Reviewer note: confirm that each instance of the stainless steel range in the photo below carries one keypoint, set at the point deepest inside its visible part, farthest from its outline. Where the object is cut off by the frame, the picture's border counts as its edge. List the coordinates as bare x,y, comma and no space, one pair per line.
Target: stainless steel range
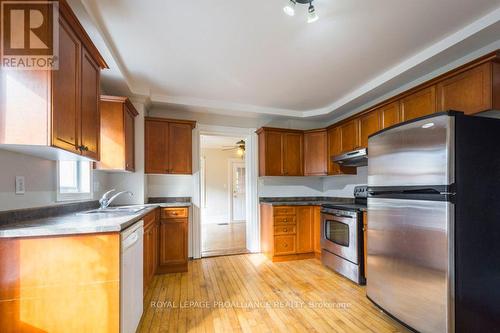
342,236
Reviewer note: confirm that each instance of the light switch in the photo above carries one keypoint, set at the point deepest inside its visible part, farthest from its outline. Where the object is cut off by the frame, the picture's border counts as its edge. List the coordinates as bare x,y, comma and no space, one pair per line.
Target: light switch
20,185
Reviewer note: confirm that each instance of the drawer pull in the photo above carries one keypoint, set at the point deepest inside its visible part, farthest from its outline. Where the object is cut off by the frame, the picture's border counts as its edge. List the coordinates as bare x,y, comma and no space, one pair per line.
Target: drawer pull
285,229
285,245
285,220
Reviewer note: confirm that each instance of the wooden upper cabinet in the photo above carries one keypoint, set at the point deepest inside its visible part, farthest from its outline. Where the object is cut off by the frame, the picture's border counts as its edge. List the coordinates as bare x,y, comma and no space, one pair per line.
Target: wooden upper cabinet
62,105
168,146
419,104
90,116
155,153
66,91
316,152
117,134
293,154
471,91
280,152
390,115
369,124
271,153
334,149
180,152
349,139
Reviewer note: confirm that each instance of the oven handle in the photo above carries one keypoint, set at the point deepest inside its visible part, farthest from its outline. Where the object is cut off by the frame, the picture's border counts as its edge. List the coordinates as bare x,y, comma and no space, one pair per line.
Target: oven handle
339,215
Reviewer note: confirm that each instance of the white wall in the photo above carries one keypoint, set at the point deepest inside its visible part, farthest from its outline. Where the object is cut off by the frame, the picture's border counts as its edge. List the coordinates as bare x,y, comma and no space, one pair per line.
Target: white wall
170,185
41,181
217,184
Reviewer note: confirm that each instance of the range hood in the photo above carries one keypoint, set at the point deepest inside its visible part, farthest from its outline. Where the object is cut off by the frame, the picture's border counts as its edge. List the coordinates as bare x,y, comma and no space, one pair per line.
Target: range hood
356,158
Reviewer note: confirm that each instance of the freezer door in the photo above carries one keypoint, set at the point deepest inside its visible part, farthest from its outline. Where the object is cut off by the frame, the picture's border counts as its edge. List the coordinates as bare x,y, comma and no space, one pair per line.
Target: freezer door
413,154
410,261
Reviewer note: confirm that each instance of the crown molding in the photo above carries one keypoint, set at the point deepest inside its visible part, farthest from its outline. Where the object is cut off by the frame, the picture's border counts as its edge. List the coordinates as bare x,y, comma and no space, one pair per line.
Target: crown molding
393,73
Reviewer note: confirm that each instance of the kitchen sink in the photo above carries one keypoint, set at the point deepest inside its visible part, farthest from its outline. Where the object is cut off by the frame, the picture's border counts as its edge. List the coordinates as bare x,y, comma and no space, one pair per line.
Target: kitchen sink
115,210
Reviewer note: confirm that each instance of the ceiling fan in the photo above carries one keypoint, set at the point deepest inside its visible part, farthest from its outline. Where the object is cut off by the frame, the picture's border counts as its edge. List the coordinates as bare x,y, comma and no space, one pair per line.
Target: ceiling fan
240,147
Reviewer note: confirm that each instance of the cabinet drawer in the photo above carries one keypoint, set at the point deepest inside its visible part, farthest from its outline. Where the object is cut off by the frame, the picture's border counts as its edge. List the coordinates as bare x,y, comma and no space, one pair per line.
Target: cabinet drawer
174,212
284,244
285,219
285,229
284,210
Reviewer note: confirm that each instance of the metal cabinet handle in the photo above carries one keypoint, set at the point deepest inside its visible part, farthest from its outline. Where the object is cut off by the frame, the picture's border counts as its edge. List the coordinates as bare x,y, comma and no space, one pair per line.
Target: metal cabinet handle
285,229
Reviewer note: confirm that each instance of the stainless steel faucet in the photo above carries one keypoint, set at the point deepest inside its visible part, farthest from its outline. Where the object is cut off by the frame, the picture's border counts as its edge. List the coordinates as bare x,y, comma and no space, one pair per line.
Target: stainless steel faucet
105,200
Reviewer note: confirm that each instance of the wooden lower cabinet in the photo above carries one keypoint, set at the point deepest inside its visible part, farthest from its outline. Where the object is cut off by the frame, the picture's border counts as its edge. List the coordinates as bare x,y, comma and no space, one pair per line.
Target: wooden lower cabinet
151,246
305,231
317,230
173,256
68,283
288,232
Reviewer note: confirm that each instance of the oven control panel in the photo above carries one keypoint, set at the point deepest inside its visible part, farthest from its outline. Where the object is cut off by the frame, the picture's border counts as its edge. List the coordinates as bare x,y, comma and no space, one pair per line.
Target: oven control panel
361,191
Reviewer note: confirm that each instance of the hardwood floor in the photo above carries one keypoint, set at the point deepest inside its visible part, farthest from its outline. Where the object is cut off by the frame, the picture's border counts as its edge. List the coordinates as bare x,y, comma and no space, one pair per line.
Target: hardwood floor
249,293
223,239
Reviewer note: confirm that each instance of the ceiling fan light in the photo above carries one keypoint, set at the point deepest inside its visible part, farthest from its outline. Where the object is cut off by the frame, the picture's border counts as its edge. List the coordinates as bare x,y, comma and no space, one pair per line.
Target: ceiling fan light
290,8
311,15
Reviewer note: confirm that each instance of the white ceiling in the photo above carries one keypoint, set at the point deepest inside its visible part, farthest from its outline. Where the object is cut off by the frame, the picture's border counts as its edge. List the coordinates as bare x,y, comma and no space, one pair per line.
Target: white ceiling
218,142
248,56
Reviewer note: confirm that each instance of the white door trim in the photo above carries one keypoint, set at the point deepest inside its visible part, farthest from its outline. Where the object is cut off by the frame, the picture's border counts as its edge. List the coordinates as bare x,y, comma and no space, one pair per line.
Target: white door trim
252,200
231,162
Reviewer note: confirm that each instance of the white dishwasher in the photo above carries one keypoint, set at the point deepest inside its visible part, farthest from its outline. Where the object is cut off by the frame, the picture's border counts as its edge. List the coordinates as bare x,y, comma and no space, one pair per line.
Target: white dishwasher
131,284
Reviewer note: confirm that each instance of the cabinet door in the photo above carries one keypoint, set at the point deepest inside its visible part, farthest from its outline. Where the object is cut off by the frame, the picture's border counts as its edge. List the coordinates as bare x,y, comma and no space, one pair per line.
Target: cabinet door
66,92
273,142
180,151
368,124
156,133
469,92
317,228
419,104
284,244
90,117
349,136
292,154
129,141
147,256
173,241
305,229
390,115
315,153
334,149
156,245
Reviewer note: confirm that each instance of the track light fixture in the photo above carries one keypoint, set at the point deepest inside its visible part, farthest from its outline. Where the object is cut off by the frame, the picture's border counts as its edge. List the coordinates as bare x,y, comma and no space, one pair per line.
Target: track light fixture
312,16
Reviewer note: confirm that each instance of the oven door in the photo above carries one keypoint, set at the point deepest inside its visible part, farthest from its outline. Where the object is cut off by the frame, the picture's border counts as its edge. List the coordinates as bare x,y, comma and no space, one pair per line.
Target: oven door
339,235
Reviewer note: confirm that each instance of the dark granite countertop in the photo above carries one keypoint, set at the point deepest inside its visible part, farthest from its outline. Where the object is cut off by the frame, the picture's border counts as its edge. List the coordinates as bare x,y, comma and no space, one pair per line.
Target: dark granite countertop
77,223
347,203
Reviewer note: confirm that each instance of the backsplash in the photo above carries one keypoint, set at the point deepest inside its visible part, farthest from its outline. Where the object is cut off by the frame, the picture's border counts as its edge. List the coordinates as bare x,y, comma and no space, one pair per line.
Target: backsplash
332,186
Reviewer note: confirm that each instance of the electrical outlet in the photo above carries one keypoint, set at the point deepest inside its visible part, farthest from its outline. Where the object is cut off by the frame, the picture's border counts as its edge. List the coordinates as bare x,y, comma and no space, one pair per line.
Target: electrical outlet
20,185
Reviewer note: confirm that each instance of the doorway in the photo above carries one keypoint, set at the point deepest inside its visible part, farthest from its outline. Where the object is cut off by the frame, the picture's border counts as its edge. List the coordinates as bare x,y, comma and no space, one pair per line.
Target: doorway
223,195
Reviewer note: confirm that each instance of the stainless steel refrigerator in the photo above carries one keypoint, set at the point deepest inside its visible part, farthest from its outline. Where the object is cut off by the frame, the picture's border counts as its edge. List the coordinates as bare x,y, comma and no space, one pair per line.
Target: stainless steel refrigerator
434,223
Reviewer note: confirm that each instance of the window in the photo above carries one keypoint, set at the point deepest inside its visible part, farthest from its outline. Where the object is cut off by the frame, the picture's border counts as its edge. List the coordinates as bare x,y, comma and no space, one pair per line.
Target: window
74,180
